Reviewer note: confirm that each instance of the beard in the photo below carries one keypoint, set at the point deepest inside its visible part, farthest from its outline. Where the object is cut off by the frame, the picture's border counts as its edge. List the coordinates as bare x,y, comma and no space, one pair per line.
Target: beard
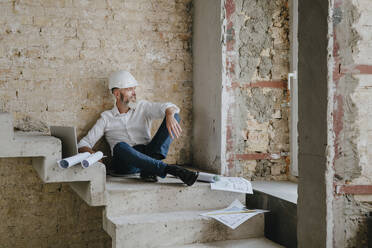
124,100
129,101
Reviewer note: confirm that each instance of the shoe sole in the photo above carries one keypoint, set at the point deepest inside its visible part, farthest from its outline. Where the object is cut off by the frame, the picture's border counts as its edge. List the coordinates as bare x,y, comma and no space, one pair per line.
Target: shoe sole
149,180
113,174
194,179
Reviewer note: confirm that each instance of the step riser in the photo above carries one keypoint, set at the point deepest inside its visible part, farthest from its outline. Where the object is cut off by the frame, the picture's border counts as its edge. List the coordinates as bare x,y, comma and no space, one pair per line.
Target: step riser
6,123
185,232
242,243
170,198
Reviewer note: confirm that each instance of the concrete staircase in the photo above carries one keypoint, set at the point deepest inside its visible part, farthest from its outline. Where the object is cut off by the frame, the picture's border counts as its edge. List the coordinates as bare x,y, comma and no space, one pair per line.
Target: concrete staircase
89,184
167,213
138,214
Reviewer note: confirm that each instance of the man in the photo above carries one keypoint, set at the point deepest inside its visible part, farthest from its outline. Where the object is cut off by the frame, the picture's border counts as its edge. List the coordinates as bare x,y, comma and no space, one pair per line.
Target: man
127,130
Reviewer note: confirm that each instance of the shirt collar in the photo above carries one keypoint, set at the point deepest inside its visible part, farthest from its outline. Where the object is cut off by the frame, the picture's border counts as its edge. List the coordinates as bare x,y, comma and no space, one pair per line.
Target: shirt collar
116,112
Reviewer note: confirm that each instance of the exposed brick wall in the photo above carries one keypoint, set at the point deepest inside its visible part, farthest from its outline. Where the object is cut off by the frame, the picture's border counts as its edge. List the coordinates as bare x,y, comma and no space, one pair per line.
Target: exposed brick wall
256,67
55,57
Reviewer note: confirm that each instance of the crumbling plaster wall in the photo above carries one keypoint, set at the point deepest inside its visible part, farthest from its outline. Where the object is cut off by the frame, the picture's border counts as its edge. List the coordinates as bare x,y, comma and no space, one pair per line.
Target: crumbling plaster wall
352,115
256,53
55,57
334,190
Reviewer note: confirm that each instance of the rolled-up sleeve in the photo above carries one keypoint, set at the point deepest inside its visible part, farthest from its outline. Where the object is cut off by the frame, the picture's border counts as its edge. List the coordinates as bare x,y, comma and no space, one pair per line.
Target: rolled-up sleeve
94,134
156,110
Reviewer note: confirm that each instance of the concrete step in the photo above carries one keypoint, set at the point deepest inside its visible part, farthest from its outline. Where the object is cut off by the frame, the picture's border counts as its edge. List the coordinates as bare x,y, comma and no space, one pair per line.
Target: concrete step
45,150
131,195
242,243
176,228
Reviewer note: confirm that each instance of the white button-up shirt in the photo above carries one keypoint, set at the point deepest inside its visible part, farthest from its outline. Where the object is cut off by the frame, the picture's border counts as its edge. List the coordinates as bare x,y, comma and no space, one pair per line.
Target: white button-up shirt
132,127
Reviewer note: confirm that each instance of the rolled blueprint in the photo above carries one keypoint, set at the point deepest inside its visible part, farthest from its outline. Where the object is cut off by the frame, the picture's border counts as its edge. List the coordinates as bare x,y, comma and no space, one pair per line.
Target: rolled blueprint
71,161
207,177
93,158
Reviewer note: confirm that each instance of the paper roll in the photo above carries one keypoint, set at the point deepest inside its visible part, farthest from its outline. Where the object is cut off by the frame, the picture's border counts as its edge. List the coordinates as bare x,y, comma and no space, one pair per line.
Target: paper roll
71,161
91,159
207,177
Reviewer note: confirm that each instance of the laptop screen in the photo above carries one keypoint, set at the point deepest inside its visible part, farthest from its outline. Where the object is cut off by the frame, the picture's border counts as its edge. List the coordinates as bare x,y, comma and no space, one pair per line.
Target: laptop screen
67,135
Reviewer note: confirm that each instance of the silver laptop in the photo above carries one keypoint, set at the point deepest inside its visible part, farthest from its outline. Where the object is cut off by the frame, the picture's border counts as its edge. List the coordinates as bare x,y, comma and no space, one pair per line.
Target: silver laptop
67,135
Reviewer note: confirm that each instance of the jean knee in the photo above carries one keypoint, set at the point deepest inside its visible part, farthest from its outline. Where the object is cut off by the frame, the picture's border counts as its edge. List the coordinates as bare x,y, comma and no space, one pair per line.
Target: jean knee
121,146
177,117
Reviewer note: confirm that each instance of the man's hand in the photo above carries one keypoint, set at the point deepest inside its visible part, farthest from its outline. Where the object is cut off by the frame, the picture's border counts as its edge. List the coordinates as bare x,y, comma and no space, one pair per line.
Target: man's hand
172,124
85,149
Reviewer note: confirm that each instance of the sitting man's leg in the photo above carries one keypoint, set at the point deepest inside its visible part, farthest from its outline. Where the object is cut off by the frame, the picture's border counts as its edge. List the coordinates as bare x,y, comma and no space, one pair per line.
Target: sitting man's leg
143,174
160,143
158,149
127,160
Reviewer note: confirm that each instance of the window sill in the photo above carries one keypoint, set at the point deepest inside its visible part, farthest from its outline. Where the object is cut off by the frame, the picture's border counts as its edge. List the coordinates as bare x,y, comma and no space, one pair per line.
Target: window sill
285,190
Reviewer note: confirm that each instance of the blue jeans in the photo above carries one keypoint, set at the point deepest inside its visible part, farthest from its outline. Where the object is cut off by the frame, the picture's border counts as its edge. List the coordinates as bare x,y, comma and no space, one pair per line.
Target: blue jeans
144,158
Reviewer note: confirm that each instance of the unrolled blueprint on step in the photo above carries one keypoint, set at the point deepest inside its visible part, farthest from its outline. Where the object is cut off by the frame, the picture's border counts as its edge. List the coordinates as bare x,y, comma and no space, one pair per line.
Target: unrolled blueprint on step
234,215
233,184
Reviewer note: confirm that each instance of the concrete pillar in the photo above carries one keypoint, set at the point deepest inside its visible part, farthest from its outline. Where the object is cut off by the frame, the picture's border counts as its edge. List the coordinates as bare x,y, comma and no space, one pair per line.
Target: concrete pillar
312,125
207,80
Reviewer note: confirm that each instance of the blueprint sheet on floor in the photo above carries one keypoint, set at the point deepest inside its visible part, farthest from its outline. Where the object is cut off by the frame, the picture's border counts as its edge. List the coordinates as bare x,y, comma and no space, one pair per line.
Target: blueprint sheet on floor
233,184
234,215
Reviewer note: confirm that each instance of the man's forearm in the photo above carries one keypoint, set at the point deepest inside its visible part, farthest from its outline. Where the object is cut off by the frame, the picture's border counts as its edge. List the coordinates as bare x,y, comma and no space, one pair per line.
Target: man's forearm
172,124
85,149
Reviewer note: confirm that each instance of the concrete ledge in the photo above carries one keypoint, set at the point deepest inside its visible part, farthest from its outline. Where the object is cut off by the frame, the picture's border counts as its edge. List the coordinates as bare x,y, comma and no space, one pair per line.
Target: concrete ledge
284,190
281,199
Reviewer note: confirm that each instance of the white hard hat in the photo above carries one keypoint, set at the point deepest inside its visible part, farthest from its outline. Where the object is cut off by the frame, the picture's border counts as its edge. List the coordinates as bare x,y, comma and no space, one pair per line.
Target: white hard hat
122,79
